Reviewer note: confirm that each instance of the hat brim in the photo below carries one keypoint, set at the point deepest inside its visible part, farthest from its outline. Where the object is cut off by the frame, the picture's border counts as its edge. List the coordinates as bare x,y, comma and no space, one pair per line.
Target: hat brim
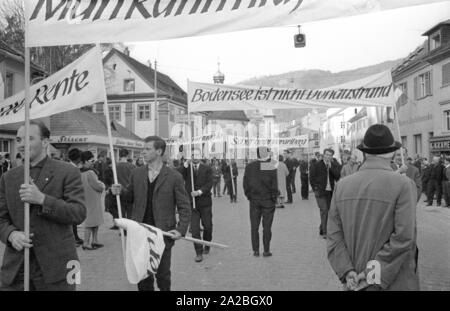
379,150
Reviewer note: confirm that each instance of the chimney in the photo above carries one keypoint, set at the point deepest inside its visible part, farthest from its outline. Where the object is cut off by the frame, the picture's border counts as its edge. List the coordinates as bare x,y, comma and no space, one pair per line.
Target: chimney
126,51
149,63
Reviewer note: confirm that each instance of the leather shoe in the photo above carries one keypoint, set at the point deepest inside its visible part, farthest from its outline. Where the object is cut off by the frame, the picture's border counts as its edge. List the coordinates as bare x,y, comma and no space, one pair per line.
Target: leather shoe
256,254
267,254
199,258
206,250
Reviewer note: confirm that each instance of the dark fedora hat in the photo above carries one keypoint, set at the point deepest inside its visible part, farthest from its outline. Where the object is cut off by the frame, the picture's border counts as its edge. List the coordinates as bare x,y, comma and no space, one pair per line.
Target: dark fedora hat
379,140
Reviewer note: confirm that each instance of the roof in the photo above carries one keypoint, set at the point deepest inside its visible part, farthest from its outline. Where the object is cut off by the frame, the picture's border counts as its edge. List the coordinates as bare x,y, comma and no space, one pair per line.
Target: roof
431,30
165,84
361,114
413,58
232,115
81,122
12,53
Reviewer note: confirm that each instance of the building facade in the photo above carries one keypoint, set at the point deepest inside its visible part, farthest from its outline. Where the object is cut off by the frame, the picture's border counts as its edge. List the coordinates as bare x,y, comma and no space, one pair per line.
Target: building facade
424,108
130,87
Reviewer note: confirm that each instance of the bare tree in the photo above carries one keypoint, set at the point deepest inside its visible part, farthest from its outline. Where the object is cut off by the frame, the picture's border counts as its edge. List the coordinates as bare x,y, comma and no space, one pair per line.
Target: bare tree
12,33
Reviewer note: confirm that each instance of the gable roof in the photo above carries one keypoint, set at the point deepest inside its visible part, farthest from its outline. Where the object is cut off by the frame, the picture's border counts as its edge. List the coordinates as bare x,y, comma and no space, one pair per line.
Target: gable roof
81,122
431,30
165,84
232,115
413,58
9,52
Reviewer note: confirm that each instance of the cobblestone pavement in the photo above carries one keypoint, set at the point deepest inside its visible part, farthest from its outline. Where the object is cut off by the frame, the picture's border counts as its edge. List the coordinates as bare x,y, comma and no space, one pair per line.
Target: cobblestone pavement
299,258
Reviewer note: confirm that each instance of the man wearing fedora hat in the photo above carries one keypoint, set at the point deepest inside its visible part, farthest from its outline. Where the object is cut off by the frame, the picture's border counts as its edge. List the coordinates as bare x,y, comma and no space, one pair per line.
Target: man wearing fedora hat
372,221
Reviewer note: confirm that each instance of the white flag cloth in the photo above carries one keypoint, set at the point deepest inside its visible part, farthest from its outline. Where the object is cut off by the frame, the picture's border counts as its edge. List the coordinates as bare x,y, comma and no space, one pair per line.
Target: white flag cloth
74,86
144,249
375,90
62,22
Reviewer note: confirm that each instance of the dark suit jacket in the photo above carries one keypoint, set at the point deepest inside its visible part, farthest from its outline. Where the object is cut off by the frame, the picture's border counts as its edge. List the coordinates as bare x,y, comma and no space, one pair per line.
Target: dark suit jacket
261,184
169,193
203,181
318,176
51,223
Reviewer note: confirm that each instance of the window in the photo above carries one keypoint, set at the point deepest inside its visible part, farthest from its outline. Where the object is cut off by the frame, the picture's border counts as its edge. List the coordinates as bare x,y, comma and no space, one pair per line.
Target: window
128,85
422,85
447,120
418,143
404,141
446,74
435,41
4,146
9,84
144,113
171,114
114,113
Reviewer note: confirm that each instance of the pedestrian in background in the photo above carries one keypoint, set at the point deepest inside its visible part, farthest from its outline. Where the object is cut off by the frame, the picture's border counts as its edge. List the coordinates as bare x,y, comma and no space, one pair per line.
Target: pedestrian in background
124,168
349,167
446,181
282,174
93,189
261,189
74,156
304,178
217,174
324,175
435,182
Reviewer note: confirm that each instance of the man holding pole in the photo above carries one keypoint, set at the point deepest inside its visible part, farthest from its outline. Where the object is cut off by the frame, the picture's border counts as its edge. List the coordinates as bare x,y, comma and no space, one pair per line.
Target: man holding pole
156,191
201,193
56,199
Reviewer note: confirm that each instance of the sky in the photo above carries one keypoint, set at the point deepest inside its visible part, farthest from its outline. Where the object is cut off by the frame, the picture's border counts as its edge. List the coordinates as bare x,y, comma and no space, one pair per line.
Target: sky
334,45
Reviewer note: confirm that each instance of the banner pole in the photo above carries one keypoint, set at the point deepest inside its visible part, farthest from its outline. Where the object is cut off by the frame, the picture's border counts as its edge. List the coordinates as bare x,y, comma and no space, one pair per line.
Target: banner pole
190,154
26,262
111,145
156,99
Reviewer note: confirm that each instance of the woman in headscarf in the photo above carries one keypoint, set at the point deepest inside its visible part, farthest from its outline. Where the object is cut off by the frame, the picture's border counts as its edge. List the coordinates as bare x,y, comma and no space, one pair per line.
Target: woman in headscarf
93,189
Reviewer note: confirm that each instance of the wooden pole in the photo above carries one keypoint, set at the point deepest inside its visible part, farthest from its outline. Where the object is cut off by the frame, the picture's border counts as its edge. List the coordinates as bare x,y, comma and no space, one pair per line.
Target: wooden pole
111,145
190,157
156,98
26,262
206,243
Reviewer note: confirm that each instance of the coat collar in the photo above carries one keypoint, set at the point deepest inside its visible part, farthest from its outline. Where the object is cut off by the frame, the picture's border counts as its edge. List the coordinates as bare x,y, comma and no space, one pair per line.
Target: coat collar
376,163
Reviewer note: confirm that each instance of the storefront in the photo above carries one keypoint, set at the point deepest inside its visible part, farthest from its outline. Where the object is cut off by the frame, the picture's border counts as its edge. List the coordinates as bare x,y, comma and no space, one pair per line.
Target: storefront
440,145
87,131
96,144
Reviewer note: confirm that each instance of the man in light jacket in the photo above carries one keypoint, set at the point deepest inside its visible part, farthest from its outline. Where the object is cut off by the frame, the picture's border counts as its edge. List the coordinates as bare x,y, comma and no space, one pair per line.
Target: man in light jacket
372,221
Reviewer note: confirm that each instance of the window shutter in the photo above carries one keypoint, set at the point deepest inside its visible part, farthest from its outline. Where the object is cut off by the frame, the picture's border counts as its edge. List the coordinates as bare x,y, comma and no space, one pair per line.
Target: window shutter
446,74
416,88
428,84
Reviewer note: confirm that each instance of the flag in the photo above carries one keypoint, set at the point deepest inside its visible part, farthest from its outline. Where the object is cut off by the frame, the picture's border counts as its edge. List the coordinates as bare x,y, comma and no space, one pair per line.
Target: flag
144,249
74,86
63,22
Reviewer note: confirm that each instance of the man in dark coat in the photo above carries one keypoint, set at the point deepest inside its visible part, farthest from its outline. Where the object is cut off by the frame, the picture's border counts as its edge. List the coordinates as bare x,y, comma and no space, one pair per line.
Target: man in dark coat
203,181
435,181
56,199
156,192
261,189
324,175
304,177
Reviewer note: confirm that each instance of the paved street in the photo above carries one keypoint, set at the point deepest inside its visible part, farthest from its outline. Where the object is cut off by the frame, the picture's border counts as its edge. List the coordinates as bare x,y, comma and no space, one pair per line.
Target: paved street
299,257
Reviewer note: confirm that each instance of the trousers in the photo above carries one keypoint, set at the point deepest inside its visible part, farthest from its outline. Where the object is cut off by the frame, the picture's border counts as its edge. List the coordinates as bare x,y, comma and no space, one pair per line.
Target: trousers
265,210
324,202
201,214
